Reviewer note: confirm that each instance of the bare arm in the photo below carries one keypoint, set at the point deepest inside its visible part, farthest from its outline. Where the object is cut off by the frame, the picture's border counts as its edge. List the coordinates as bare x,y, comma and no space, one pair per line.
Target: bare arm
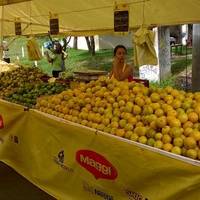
128,72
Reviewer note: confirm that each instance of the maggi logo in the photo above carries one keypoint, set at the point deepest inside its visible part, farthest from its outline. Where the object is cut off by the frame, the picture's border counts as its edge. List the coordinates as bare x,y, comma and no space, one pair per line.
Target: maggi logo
96,164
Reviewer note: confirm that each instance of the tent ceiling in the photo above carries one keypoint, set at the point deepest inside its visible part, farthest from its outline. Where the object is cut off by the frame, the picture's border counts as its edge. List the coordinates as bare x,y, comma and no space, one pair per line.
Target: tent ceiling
80,17
7,2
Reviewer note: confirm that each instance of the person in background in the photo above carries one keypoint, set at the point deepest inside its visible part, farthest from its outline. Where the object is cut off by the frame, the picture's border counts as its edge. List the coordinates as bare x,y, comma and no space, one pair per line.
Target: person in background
120,69
56,57
6,57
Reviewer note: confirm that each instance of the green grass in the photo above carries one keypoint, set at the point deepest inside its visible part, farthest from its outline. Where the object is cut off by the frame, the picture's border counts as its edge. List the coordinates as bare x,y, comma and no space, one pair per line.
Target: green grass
179,65
181,50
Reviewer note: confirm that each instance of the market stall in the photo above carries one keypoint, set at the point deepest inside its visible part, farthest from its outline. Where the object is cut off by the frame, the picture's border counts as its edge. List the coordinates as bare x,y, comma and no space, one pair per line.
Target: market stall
72,161
75,143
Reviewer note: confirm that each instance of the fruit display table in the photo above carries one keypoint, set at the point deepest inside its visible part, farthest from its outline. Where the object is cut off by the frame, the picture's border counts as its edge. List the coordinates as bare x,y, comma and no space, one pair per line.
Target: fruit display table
70,161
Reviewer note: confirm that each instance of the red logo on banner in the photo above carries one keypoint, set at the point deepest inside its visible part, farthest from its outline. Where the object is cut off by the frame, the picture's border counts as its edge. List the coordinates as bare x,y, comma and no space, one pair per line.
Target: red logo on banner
96,164
1,122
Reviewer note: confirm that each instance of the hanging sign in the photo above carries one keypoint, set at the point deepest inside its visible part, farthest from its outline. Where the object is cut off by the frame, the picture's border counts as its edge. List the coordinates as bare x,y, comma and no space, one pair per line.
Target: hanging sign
121,18
54,24
18,27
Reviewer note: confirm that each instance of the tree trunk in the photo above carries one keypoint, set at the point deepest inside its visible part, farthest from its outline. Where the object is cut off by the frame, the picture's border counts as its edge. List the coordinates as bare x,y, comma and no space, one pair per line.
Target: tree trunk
75,43
91,44
164,52
88,43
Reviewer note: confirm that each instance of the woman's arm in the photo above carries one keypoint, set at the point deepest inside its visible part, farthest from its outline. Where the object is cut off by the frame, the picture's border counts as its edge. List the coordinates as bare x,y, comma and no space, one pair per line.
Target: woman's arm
128,72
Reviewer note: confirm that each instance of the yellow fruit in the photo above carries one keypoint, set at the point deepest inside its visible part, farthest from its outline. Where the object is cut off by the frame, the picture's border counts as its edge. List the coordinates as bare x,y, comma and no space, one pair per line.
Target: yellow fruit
183,117
196,126
142,139
121,103
150,133
65,110
110,99
114,124
115,92
175,93
136,90
153,125
197,109
134,137
158,144
147,100
136,110
115,119
178,141
151,142
120,132
180,111
190,143
172,113
155,106
115,105
125,95
167,147
176,103
187,131
161,122
198,154
175,132
147,110
193,117
106,121
139,101
155,97
175,123
132,120
84,122
101,127
186,105
128,127
195,134
128,134
122,123
166,139
141,130
192,153
188,124
168,99
158,136
165,130
168,89
113,131
176,150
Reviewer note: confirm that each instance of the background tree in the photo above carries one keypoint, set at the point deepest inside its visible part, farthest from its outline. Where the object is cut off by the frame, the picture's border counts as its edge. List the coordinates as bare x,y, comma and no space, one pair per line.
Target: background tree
91,44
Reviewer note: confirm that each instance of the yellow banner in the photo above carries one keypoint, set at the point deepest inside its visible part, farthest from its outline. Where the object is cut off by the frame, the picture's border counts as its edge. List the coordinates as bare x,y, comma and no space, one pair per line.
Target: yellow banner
70,161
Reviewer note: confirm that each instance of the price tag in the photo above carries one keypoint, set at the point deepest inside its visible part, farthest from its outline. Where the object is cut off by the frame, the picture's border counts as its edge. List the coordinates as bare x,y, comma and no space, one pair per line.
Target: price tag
54,26
18,28
121,18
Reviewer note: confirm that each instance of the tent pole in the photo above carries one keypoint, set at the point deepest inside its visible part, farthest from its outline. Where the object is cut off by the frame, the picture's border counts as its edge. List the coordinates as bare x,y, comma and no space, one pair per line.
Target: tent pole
196,58
1,36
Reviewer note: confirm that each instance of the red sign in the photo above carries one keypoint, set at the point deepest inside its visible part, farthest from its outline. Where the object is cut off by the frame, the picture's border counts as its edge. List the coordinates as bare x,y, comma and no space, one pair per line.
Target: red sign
1,122
96,164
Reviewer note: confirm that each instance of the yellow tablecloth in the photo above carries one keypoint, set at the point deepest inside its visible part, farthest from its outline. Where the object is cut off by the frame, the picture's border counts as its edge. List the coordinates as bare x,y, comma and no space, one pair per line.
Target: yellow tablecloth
69,161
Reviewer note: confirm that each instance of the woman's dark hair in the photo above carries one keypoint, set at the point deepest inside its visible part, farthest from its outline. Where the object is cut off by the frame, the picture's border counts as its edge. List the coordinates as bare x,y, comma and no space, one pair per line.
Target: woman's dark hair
119,47
58,49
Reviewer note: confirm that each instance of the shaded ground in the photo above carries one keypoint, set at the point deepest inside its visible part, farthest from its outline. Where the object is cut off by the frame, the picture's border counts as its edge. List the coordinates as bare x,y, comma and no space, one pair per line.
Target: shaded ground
15,187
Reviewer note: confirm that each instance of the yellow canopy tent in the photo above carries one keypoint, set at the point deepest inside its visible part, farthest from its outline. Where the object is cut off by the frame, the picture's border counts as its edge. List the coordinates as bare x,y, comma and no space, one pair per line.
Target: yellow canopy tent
90,17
